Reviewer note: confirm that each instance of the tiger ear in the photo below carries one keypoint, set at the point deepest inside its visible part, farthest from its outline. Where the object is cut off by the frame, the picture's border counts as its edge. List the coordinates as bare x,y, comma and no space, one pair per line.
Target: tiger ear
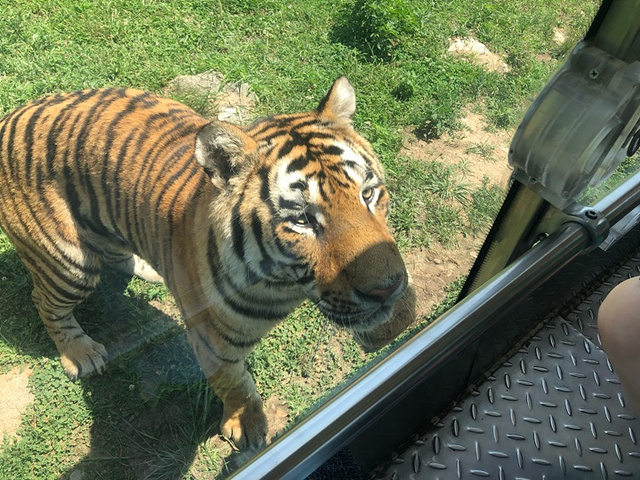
223,150
340,101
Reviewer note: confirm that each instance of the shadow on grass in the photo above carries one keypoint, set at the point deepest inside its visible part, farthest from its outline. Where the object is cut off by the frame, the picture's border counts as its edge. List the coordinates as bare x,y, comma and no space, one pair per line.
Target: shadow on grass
152,410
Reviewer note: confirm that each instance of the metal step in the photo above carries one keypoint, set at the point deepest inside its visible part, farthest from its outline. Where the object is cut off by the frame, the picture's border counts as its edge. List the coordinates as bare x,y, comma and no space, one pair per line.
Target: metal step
555,409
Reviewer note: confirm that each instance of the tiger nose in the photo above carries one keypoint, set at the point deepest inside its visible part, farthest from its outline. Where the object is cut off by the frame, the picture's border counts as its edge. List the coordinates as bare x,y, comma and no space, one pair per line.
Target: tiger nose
382,293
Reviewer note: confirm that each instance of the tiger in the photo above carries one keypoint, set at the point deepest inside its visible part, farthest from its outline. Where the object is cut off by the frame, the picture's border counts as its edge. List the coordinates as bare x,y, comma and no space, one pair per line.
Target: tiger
242,224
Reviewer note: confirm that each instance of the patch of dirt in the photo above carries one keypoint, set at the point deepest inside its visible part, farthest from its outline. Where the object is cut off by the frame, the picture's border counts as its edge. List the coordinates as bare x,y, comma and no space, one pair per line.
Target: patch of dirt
477,149
478,53
15,397
559,36
277,414
433,269
233,101
479,153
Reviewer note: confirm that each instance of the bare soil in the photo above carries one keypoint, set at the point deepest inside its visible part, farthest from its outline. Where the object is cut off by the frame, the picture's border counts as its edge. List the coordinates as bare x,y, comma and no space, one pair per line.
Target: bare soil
478,53
15,397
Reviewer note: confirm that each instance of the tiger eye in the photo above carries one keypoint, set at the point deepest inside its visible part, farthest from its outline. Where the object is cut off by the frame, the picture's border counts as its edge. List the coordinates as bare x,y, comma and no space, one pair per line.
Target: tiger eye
302,220
367,194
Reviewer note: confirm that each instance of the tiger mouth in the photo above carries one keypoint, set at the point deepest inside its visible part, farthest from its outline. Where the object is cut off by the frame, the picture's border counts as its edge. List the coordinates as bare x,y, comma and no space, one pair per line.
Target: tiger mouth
362,320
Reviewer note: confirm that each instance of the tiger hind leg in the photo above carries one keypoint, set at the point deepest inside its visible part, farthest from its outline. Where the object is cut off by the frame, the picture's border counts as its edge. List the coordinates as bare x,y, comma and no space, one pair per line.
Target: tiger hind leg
133,265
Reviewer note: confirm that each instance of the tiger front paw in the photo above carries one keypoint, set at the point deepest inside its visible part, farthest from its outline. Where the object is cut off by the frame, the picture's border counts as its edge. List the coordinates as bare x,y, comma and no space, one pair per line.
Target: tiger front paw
246,425
83,357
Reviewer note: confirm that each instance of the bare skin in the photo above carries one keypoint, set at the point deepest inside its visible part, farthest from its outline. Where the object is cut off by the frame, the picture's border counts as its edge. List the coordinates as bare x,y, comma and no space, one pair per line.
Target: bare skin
619,327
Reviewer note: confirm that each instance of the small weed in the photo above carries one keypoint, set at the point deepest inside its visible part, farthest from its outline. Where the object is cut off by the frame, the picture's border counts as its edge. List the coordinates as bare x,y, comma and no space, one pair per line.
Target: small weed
482,149
404,91
486,202
438,119
446,181
147,290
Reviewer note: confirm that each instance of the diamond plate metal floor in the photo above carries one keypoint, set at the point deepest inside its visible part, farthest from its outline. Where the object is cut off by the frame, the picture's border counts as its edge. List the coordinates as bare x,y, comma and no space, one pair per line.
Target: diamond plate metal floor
555,409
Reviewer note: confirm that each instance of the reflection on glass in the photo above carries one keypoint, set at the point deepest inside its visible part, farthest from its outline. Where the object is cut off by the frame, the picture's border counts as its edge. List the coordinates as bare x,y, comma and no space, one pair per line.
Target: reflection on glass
628,167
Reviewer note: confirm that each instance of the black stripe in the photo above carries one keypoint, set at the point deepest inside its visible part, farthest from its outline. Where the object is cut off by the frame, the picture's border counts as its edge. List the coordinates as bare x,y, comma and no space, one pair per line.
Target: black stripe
257,312
322,136
59,123
282,248
321,187
82,166
282,123
265,195
271,137
111,136
179,128
23,204
212,254
306,279
221,279
212,350
194,171
53,285
114,208
298,164
267,264
138,195
295,140
285,204
367,159
237,230
261,125
307,123
3,128
353,165
11,141
333,150
28,136
28,139
45,234
233,341
334,179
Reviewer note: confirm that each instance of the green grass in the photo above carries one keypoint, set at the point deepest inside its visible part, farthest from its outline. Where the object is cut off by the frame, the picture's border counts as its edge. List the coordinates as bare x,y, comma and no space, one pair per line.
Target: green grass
151,413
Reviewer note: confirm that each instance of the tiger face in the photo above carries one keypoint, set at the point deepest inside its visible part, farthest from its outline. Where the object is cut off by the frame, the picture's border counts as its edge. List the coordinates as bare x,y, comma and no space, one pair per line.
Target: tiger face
332,212
321,211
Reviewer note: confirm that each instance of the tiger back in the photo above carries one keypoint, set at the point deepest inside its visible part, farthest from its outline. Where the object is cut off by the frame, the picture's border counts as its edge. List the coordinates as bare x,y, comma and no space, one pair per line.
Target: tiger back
241,223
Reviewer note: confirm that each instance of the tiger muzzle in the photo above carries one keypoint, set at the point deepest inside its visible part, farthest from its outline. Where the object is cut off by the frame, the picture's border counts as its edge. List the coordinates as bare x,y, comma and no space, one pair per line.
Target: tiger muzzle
386,292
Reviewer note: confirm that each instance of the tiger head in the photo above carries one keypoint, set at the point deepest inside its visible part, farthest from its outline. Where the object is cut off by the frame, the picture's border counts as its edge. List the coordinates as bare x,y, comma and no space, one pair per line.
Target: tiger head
308,194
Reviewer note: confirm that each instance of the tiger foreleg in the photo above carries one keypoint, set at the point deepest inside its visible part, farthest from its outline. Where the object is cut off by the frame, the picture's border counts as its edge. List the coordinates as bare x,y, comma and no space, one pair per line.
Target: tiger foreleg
80,355
243,419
